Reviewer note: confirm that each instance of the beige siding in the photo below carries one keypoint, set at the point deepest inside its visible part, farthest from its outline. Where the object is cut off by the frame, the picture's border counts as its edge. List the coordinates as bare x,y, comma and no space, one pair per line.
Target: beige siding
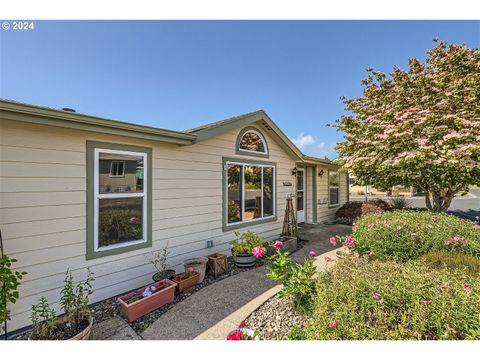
43,204
324,211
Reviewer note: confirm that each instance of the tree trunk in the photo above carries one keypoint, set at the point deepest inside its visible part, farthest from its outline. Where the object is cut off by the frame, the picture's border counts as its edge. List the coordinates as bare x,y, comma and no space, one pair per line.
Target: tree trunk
437,202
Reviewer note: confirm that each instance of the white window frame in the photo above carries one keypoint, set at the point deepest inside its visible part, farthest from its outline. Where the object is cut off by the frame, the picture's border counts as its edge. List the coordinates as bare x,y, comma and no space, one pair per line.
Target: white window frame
338,188
274,181
123,168
98,196
253,151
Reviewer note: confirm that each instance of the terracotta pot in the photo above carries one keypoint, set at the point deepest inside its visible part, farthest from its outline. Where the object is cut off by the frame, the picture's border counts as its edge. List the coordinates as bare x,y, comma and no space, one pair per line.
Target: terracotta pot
146,305
169,274
244,260
186,285
198,264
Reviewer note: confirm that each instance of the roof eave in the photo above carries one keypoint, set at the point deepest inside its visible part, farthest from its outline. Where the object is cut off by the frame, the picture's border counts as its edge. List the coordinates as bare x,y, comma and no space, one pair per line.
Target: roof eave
43,116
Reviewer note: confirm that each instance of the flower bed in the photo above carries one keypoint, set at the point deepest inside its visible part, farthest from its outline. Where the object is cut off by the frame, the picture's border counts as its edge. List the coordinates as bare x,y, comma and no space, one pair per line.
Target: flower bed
405,235
364,299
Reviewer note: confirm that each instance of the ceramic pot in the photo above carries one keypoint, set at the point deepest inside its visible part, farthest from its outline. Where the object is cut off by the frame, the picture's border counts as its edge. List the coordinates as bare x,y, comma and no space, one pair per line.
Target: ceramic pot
169,274
244,260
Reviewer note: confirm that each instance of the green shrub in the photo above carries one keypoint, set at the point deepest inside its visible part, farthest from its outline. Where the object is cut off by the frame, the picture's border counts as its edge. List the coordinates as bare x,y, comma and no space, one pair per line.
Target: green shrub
406,234
297,279
9,282
361,299
449,260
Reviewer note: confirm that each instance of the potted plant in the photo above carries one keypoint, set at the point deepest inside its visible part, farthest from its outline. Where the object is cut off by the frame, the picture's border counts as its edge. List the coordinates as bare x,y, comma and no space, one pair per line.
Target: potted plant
186,282
159,260
198,264
243,247
76,323
147,299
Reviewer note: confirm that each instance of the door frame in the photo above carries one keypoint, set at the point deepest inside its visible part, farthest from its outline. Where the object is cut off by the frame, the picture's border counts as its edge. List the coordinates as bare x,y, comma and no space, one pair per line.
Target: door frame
303,170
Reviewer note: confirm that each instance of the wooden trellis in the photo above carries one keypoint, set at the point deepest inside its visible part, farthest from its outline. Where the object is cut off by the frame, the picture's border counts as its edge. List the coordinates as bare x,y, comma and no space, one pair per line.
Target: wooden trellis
290,227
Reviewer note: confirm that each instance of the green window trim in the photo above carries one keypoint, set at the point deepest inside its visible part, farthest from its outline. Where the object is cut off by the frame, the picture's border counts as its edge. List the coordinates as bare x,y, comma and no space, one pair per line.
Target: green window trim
337,204
239,151
90,153
235,226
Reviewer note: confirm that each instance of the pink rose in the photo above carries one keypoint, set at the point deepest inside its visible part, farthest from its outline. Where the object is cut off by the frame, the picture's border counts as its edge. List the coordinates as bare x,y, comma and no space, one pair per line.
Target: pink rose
333,241
350,242
278,244
258,252
333,324
312,253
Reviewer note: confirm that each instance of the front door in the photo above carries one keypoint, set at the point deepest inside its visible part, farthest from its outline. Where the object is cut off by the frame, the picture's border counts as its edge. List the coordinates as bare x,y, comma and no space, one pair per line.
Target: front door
300,196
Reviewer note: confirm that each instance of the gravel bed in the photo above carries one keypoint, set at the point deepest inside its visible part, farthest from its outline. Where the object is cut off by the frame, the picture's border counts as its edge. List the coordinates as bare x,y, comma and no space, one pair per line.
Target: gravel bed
274,319
109,308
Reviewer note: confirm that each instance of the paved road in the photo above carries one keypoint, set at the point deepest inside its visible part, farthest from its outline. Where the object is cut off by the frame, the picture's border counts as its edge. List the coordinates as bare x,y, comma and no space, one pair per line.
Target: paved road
465,207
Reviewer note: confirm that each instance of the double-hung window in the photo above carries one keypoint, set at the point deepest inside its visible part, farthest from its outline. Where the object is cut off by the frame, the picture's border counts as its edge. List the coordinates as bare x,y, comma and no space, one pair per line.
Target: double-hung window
249,192
119,198
333,186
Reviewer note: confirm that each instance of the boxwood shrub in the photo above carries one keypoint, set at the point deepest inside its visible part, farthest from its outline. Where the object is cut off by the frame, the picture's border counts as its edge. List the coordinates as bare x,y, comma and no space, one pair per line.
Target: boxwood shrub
361,299
404,235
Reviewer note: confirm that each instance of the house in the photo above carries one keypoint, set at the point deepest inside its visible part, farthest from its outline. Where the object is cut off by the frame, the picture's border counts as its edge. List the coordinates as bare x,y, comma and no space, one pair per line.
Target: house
80,191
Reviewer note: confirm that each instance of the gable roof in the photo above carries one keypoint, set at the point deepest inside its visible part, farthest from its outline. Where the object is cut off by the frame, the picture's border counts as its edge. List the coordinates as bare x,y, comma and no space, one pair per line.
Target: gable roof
216,128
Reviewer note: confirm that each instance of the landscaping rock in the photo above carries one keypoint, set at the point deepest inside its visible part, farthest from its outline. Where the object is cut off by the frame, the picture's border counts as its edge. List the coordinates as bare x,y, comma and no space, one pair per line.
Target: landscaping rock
274,319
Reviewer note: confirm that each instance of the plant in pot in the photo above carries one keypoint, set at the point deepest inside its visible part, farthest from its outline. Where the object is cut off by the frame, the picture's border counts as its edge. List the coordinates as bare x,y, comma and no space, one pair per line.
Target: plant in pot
186,282
147,299
243,247
199,265
159,260
76,323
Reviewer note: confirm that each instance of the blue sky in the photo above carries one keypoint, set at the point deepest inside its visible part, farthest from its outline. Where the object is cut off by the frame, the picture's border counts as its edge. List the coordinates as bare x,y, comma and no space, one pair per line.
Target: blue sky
180,74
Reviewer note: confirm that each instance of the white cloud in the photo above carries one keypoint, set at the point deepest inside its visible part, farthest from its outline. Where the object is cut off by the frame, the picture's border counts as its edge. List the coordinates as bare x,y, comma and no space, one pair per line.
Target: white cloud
303,140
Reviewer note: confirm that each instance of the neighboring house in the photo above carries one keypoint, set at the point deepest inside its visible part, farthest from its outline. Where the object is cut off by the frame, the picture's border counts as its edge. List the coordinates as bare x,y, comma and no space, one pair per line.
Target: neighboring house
79,191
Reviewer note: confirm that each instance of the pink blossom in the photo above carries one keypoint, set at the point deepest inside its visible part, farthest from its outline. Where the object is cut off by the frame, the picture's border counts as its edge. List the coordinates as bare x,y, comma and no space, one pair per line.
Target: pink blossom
333,324
242,324
377,295
134,220
350,242
399,228
452,330
467,287
312,253
258,252
190,269
455,240
428,302
443,286
333,241
278,244
414,234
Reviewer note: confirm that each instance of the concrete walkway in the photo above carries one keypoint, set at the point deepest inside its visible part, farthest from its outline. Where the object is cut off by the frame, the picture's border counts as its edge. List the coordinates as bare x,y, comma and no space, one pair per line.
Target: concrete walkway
206,314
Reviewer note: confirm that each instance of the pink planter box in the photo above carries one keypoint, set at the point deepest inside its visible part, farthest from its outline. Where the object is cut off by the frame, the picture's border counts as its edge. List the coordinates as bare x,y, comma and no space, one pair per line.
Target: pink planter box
146,305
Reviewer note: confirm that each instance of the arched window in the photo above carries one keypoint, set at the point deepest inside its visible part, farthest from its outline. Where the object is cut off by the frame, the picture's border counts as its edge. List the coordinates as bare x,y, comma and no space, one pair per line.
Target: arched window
252,141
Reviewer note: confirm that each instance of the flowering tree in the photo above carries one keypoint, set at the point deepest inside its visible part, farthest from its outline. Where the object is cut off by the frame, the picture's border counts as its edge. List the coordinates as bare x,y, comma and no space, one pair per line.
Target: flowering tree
419,127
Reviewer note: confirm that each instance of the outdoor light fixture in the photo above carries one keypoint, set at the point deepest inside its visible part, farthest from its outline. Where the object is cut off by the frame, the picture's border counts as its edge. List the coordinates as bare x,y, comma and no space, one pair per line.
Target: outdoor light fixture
294,171
320,173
